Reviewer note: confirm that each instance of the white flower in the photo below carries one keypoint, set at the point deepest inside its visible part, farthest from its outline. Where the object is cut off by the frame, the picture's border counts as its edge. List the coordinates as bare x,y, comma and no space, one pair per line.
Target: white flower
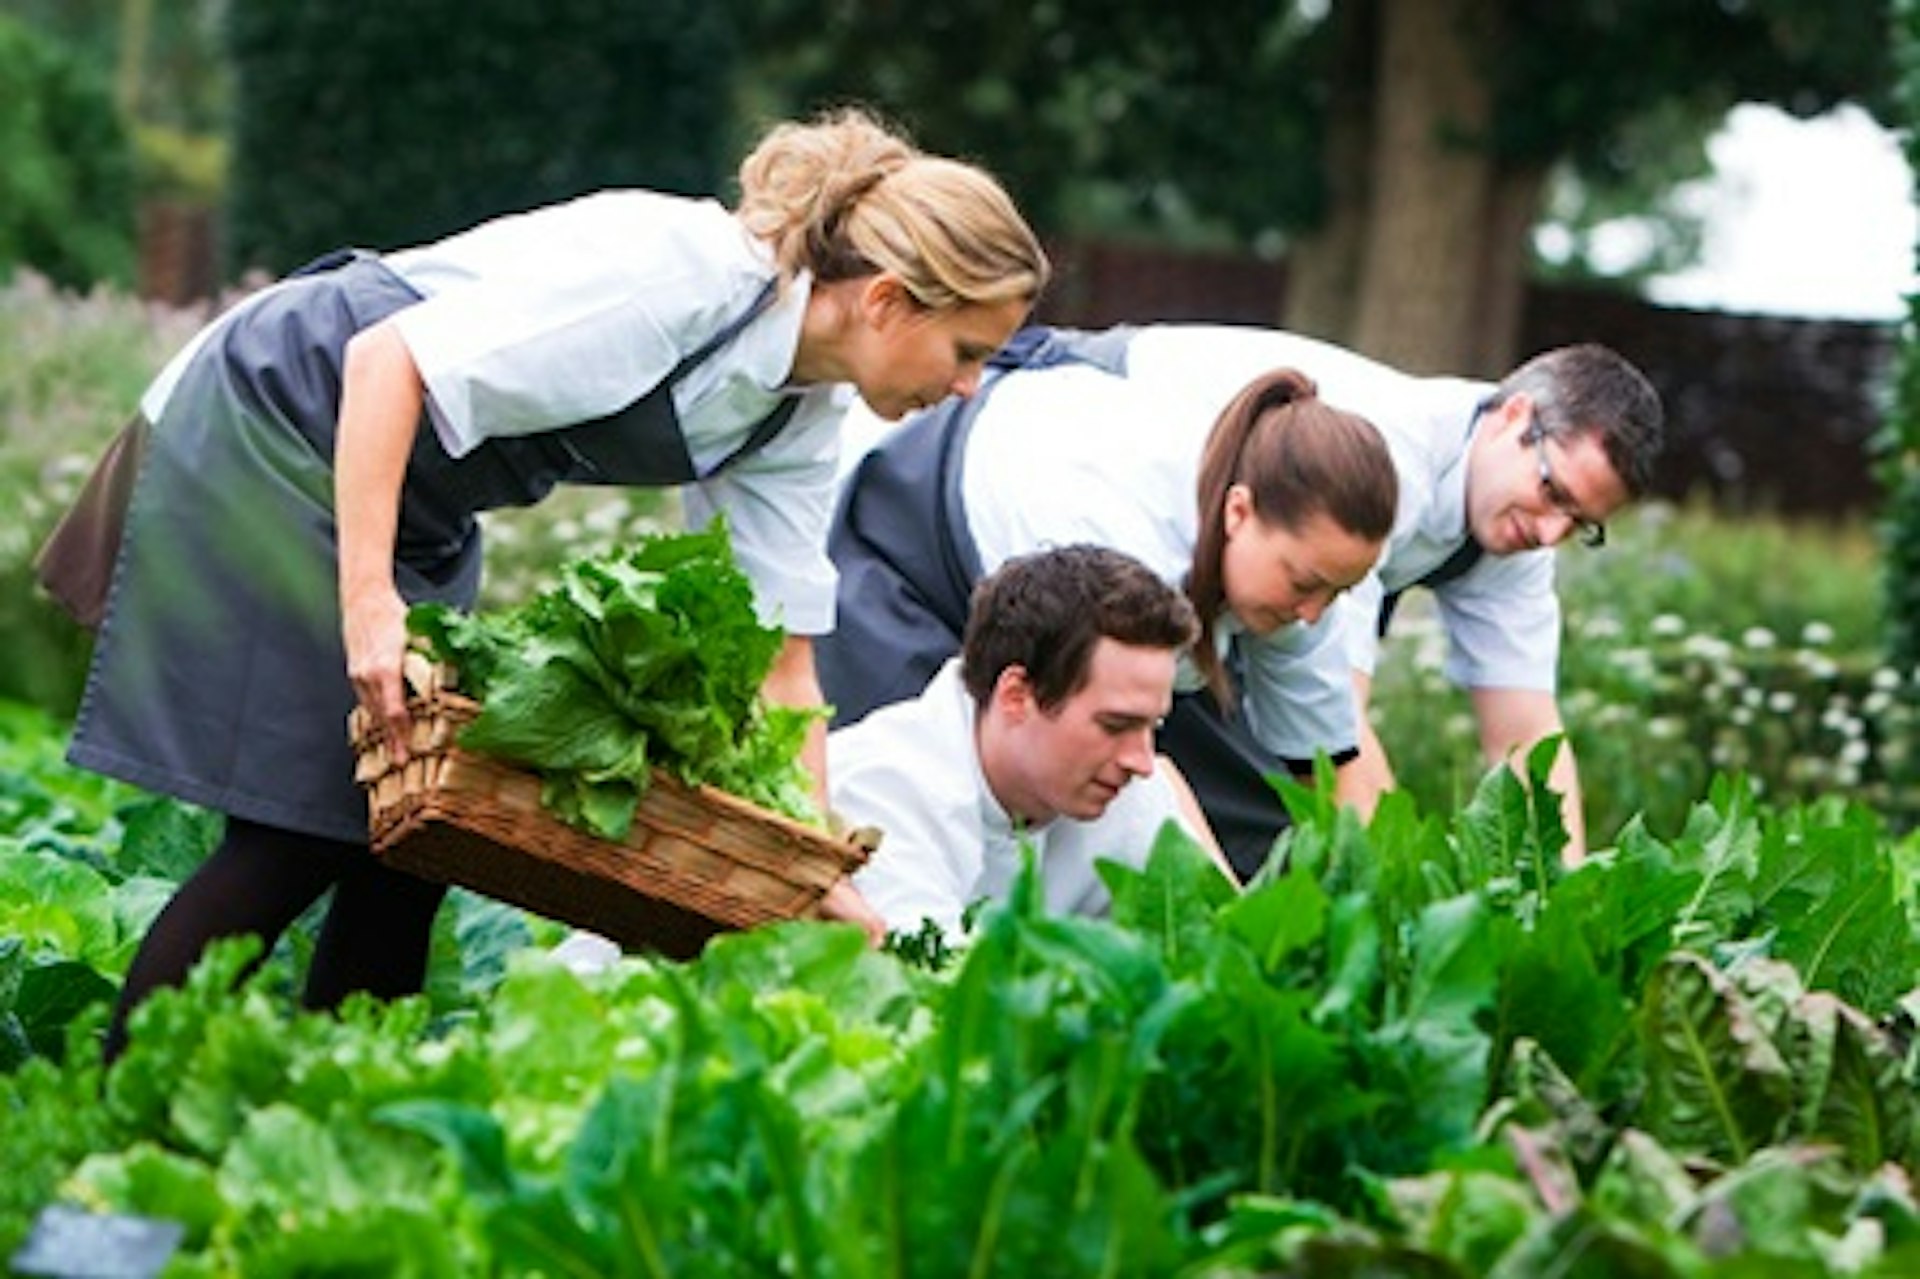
1757,637
1818,665
1710,647
1668,625
1816,634
1886,679
607,517
1780,702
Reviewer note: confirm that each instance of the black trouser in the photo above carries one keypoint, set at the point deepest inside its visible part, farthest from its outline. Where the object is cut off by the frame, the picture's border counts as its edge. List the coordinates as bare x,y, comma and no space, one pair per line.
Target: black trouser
260,879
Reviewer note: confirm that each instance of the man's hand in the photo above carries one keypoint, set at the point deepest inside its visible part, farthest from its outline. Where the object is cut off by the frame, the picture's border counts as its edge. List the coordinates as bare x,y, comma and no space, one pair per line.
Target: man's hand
844,903
1361,781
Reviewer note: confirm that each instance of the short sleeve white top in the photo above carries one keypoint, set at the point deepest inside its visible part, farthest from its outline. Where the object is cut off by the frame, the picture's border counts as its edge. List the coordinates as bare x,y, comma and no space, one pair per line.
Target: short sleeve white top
545,319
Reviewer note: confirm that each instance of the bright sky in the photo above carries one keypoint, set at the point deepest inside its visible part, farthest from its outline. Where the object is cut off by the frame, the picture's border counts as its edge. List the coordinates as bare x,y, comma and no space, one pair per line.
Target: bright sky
1804,217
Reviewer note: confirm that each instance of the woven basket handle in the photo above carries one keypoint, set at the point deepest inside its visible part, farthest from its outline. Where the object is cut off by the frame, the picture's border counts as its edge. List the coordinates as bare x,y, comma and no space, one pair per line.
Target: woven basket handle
423,676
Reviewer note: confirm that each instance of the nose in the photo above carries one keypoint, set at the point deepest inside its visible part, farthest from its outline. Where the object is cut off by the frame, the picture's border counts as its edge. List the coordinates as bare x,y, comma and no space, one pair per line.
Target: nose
1310,608
967,380
1136,757
1554,527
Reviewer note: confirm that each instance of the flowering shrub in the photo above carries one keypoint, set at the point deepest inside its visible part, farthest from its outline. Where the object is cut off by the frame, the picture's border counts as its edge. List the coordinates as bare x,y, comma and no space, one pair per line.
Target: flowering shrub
1692,646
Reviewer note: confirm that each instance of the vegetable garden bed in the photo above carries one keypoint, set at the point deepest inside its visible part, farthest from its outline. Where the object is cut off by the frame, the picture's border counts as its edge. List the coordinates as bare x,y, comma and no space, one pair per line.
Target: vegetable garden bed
1425,1050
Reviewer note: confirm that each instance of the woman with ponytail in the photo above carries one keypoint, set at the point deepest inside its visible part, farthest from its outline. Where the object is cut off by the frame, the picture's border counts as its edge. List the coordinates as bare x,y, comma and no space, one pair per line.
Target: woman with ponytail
1263,511
316,459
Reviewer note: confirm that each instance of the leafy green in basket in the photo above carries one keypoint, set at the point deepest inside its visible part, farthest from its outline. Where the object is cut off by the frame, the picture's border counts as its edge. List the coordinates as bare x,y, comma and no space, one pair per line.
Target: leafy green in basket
648,657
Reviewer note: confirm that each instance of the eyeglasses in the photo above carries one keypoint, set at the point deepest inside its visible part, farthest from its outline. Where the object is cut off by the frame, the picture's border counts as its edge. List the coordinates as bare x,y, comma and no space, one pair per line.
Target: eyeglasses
1591,532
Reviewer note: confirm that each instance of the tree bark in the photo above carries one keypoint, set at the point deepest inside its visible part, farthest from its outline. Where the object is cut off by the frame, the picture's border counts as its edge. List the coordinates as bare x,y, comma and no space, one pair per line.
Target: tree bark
1323,268
1506,261
1420,306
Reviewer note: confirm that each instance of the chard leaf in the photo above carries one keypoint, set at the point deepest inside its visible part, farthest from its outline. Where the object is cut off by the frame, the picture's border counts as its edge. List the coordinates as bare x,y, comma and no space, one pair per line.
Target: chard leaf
1715,1081
1431,1054
1829,889
1627,902
1353,961
1540,1091
1512,828
1852,1084
1292,1075
1468,1215
1721,842
1495,829
1584,1243
1279,918
1643,1180
1172,900
1554,990
1772,1206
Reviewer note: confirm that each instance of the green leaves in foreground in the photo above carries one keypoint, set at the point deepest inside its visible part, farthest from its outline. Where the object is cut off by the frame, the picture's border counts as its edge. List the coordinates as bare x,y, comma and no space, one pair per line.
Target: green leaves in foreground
1424,1050
646,658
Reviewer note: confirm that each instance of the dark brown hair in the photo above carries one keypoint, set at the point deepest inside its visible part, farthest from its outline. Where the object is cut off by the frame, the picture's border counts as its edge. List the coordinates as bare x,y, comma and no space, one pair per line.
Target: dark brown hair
1590,389
1046,612
1298,457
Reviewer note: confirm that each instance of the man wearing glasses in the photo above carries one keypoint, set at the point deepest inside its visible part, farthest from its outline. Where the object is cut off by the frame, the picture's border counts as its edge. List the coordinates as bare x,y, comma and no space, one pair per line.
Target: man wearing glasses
1492,477
1545,457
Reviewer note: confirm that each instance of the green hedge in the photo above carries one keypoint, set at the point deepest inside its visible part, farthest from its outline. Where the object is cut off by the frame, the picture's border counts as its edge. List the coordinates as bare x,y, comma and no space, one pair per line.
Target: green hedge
384,125
66,179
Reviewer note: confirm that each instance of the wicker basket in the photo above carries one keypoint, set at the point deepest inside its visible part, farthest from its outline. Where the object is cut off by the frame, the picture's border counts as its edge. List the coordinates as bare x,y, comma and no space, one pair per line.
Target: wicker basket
697,861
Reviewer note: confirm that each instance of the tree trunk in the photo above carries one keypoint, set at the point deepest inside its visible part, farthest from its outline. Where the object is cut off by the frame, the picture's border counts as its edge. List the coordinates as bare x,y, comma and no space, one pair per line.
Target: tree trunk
1507,257
1420,306
1323,268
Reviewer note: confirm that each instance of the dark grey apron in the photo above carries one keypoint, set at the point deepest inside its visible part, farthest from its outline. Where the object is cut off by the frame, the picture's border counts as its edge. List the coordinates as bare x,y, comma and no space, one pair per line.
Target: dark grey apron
218,674
900,541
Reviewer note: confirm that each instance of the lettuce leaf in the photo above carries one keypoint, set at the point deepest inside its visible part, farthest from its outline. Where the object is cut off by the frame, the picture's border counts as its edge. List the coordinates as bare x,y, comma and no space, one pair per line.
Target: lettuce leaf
647,657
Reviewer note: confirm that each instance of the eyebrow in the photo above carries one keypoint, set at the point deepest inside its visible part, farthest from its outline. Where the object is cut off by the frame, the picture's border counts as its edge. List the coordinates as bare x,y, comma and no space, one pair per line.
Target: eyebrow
1563,498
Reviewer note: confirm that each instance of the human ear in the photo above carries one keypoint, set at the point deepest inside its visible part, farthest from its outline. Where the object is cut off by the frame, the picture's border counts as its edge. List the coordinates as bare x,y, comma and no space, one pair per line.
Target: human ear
1013,693
1238,509
883,299
1516,412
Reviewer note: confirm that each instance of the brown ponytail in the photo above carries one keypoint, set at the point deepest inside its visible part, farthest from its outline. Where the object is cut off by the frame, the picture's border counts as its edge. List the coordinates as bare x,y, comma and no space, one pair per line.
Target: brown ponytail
1298,457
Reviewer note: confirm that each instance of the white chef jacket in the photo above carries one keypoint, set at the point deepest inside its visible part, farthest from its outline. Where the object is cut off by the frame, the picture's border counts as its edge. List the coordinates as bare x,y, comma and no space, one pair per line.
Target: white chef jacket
563,314
913,770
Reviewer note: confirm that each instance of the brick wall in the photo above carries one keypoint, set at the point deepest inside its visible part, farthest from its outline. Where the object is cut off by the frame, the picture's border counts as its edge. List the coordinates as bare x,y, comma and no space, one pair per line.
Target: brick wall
1763,413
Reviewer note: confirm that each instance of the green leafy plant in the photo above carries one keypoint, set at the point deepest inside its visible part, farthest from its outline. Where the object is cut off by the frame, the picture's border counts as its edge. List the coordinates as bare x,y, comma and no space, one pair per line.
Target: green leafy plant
650,657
